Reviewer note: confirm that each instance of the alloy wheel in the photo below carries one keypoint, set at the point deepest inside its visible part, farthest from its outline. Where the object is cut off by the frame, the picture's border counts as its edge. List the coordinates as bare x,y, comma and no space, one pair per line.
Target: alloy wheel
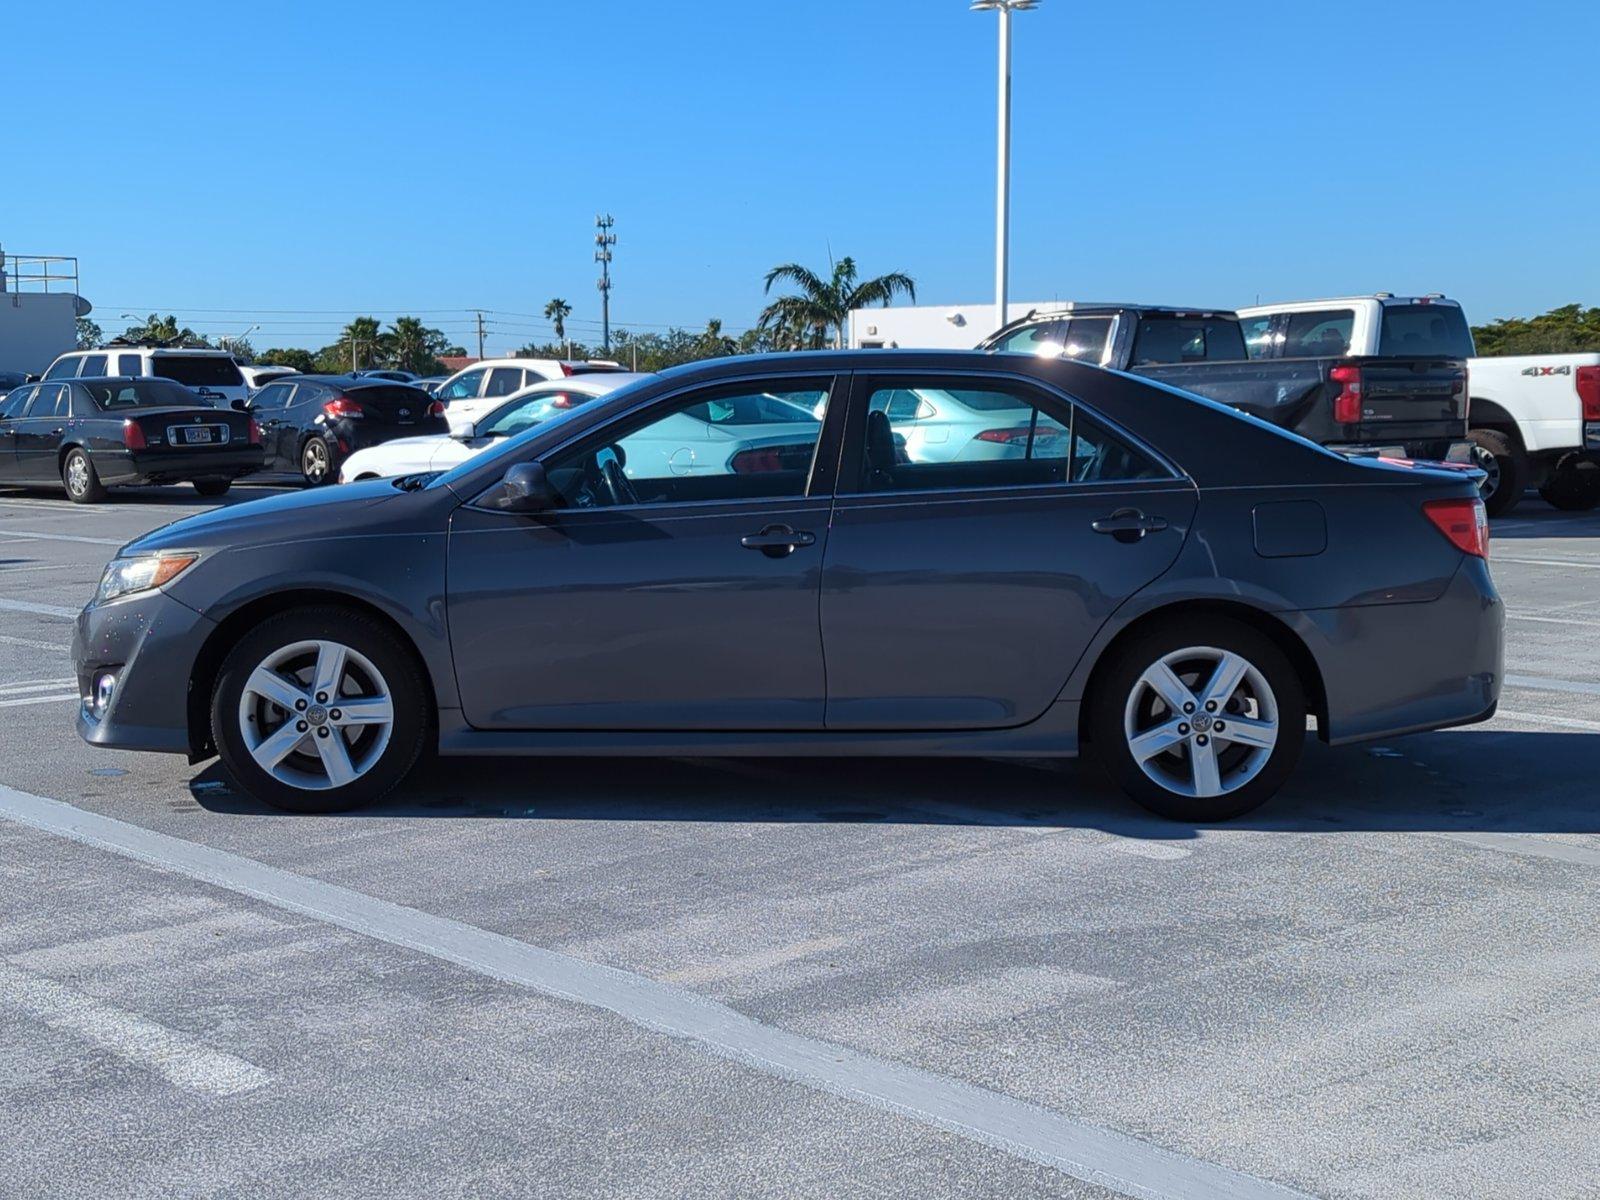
77,474
1490,466
1201,722
314,463
316,715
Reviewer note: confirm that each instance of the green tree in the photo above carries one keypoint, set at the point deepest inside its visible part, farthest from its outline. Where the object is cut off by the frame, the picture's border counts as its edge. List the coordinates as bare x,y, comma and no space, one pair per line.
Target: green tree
157,328
558,311
821,309
412,346
361,345
301,360
1571,329
90,335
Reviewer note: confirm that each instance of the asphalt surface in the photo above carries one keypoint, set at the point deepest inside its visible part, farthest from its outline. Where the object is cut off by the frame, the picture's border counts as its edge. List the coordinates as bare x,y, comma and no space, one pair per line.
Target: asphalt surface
691,977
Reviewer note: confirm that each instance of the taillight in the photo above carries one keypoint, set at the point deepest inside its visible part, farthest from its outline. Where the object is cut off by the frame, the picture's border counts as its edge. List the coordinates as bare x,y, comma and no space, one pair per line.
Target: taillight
132,435
566,369
1005,437
1589,392
343,406
1464,522
436,409
756,462
1347,404
255,432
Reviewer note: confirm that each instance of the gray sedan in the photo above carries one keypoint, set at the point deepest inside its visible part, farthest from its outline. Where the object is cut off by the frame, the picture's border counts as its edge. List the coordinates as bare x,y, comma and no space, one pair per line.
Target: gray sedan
1172,585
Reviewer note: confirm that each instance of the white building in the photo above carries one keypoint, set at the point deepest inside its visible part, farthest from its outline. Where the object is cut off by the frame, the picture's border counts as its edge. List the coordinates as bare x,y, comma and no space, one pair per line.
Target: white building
39,311
933,326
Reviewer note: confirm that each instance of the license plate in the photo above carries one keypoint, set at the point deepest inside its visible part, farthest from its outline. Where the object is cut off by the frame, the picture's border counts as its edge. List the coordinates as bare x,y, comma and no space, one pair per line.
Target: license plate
195,437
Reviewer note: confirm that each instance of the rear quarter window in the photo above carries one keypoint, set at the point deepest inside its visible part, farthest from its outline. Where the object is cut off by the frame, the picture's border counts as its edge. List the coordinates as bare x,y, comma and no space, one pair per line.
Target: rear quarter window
197,370
1424,330
1187,339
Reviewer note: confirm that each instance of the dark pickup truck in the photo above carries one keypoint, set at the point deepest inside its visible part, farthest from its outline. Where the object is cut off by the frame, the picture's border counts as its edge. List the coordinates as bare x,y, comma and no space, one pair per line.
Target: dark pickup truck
1396,407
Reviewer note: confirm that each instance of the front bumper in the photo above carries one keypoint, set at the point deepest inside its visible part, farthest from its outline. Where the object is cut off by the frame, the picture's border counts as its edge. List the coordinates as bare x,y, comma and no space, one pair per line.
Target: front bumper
150,643
1390,669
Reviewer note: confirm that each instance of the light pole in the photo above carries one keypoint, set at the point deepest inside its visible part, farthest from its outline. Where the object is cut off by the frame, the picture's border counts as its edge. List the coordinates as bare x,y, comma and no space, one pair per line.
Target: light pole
1002,202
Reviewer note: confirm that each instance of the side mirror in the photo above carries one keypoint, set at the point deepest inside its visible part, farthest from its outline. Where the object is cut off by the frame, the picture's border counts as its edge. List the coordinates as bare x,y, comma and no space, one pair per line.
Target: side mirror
243,406
523,489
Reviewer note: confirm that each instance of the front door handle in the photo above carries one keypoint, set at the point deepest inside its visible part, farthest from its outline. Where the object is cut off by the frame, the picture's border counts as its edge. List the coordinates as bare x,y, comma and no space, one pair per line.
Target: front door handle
1128,525
777,541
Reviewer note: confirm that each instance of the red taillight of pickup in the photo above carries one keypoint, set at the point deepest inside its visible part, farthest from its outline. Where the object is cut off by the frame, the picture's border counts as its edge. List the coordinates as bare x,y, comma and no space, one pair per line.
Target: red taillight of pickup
1464,522
132,435
343,406
1588,384
255,432
1347,404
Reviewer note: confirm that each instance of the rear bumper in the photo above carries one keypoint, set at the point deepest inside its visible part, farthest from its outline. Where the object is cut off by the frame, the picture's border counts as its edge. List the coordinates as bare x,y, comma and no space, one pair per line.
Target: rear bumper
1390,669
149,643
169,466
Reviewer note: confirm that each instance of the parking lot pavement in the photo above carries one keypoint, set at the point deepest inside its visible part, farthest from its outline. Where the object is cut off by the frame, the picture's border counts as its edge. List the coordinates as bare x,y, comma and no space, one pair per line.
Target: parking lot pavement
589,977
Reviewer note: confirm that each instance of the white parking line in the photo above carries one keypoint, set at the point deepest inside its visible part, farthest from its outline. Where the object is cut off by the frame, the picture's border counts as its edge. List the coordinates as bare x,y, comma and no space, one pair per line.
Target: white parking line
1549,562
1529,718
34,644
17,687
1544,683
39,700
1511,616
43,610
1111,1160
29,535
178,1058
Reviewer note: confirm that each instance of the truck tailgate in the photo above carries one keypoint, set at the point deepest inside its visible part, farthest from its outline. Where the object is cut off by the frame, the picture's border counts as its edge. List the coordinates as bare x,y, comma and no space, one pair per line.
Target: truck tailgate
1409,399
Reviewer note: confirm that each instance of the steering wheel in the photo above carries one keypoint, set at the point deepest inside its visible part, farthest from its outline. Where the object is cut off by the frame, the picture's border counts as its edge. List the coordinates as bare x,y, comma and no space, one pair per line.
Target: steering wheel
616,483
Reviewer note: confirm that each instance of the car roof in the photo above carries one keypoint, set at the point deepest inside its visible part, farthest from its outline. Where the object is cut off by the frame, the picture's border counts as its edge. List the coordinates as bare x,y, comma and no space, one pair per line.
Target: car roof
1374,298
593,383
347,381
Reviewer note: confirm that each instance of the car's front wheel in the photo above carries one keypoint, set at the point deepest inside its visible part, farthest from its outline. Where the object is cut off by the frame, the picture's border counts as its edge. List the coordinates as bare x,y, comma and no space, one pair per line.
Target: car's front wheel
1200,719
319,710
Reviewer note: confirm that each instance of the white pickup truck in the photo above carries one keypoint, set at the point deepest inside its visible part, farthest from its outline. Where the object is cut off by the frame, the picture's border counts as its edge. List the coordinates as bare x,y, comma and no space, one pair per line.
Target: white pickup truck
1535,419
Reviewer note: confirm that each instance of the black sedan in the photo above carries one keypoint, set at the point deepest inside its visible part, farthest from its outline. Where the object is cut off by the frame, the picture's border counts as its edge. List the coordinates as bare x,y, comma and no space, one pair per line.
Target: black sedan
90,434
312,423
1106,562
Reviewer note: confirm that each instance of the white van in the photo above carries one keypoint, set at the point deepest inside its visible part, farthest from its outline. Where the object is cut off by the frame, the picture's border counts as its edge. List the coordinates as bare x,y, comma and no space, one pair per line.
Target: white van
211,373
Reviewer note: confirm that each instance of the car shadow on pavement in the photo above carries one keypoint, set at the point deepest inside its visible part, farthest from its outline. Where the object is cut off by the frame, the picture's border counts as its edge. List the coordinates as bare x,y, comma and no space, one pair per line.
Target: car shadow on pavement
1457,781
1533,520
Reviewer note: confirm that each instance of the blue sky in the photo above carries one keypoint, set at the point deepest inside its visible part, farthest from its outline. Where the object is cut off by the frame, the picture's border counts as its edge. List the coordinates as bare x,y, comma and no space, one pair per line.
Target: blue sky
355,156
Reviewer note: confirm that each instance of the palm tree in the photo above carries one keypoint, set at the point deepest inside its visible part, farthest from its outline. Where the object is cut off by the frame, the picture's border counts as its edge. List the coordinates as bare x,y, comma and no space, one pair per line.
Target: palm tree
362,341
413,346
558,311
822,309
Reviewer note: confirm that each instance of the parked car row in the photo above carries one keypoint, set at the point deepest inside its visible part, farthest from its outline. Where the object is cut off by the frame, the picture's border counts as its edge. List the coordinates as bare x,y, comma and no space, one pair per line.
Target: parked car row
1378,375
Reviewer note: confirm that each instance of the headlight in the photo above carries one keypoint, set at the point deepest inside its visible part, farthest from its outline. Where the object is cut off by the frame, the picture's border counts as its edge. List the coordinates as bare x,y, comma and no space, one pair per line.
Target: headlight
125,576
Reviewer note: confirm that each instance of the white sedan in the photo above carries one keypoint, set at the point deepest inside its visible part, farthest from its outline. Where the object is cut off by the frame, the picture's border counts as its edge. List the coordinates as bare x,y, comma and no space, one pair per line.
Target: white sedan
519,411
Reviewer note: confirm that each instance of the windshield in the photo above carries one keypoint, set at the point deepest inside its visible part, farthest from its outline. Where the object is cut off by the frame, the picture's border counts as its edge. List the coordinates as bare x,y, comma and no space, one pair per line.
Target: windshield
506,451
143,393
1424,330
197,370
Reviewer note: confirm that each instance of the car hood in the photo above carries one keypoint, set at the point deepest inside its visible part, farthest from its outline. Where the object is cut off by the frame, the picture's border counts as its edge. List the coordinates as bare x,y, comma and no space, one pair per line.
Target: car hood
330,511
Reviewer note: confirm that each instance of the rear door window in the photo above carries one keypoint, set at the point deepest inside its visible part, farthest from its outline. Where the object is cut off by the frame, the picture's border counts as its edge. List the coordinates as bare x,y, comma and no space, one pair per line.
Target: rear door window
503,381
1321,334
1424,331
1164,339
197,370
48,402
274,396
93,364
1257,335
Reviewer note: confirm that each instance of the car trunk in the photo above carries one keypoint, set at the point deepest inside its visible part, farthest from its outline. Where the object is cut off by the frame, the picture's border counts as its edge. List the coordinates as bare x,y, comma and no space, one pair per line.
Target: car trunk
392,404
189,429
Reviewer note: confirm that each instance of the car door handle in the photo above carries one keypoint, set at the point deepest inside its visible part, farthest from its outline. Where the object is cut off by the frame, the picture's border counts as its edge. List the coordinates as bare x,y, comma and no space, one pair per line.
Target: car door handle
776,541
1128,525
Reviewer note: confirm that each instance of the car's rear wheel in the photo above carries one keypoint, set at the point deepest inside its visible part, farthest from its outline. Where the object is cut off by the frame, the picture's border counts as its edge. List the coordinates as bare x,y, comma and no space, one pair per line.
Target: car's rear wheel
80,478
213,487
1505,470
316,462
1200,719
319,710
1574,486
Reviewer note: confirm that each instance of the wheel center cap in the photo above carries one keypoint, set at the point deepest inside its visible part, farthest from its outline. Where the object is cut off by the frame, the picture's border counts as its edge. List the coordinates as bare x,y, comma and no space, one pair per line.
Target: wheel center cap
1201,722
317,715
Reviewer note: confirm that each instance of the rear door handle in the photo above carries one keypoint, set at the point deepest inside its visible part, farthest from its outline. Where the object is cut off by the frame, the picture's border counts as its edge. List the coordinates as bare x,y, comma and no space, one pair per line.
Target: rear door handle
777,541
1128,525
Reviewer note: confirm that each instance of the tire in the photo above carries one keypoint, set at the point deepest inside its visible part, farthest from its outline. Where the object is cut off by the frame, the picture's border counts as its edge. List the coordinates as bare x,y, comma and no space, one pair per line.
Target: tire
256,735
1125,705
80,478
1507,468
213,487
1574,486
316,462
